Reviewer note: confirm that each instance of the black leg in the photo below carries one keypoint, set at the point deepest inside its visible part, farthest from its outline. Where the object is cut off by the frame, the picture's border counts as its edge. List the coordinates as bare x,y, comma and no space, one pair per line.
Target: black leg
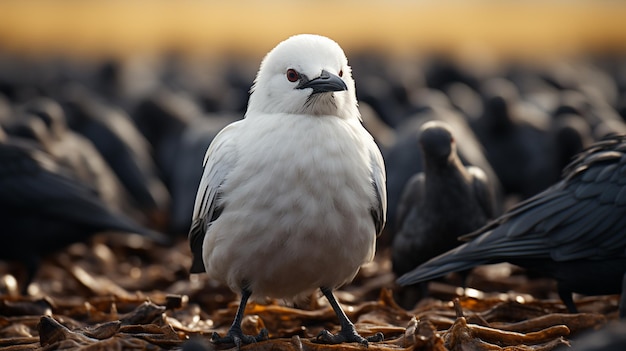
348,332
235,335
622,301
568,300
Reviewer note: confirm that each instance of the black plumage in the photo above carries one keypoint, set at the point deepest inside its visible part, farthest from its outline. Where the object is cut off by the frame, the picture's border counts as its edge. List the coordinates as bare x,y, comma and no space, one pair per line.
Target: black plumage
163,118
44,207
124,148
404,159
45,123
441,203
574,231
438,205
508,132
179,134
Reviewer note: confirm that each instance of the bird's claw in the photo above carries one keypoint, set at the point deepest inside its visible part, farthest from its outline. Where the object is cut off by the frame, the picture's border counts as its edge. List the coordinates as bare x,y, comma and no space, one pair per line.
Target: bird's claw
238,338
378,337
347,336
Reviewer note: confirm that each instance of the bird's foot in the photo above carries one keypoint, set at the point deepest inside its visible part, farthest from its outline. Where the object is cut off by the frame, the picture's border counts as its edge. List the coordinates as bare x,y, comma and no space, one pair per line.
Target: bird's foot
347,335
237,337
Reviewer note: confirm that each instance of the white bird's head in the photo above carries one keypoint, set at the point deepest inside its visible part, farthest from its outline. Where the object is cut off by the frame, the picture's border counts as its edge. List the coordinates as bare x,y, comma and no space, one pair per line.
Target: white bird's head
305,74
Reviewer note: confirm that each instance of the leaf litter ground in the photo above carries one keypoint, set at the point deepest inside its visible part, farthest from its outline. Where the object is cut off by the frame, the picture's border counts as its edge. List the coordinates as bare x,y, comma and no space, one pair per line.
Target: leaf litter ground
123,293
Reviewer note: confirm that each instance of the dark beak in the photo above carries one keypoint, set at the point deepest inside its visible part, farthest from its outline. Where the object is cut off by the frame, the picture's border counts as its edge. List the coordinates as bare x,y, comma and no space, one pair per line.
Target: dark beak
326,82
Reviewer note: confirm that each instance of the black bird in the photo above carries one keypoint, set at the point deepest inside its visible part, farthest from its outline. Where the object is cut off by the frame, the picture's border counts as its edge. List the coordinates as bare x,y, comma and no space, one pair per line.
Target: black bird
569,135
404,159
45,123
162,118
44,207
184,182
441,203
508,133
574,231
179,134
124,148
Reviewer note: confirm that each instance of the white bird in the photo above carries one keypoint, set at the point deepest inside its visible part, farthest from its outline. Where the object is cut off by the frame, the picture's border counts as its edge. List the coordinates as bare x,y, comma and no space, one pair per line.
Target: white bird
292,196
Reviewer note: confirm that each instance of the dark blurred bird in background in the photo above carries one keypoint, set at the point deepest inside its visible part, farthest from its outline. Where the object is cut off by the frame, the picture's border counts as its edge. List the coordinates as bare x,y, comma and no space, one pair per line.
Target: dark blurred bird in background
43,121
44,207
6,109
124,148
439,204
404,159
574,232
179,133
162,118
570,135
515,140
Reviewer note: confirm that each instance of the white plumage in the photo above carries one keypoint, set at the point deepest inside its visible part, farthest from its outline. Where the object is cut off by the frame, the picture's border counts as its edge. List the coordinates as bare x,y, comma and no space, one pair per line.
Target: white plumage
292,196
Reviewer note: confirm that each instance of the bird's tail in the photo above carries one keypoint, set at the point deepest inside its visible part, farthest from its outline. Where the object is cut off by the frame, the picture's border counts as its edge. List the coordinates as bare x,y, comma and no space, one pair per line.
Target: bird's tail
451,261
490,247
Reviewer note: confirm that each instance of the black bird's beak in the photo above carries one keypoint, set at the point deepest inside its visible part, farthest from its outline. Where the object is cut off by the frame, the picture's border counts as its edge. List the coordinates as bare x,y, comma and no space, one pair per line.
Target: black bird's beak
326,82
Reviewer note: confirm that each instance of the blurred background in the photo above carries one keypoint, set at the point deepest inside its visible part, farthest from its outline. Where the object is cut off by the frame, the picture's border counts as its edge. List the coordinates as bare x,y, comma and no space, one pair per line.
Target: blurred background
531,29
145,86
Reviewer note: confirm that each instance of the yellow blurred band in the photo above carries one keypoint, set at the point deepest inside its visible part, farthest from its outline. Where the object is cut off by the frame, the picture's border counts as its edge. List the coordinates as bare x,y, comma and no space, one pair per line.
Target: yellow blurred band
531,28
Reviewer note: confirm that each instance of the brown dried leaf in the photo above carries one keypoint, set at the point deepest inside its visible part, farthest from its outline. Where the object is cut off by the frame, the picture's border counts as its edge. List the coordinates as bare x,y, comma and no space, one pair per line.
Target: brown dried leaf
51,332
146,313
103,330
463,336
575,322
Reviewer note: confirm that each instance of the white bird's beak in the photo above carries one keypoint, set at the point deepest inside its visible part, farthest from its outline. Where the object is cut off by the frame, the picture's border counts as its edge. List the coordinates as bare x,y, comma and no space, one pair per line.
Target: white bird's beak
326,82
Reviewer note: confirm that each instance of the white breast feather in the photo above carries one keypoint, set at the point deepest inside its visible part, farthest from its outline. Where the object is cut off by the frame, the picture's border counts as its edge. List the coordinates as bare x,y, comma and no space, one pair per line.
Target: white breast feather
291,218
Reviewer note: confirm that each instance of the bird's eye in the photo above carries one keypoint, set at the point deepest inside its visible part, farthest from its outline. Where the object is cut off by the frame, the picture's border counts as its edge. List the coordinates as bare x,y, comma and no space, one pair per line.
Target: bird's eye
340,73
292,75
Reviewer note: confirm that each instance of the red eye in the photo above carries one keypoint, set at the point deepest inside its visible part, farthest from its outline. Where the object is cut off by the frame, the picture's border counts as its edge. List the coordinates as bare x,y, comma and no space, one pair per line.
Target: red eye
340,73
292,75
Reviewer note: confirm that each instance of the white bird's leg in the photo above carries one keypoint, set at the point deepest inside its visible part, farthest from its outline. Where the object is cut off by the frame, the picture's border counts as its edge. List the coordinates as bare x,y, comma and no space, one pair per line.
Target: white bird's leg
235,335
348,331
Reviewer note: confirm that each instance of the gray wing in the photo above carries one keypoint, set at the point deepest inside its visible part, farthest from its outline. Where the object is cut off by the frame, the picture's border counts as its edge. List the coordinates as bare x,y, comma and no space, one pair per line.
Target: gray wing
379,182
220,159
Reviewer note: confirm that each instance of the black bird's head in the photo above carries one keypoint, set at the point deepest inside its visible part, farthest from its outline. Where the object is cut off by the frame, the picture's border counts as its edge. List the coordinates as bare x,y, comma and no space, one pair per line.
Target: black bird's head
436,142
